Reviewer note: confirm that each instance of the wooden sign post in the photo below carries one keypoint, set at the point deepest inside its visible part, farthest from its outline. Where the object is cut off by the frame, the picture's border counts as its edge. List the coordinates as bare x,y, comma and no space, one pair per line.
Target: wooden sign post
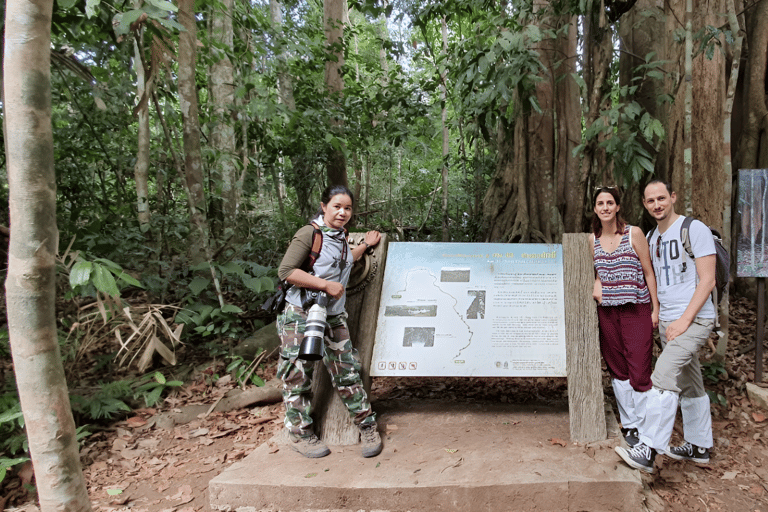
332,421
586,402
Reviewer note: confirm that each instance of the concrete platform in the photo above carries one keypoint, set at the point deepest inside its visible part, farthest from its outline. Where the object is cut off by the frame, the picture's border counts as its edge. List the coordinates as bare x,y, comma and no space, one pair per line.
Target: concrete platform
441,456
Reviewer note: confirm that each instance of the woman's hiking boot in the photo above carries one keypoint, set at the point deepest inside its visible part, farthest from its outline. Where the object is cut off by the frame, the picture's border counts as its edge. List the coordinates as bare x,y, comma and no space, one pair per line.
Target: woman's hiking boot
371,440
309,446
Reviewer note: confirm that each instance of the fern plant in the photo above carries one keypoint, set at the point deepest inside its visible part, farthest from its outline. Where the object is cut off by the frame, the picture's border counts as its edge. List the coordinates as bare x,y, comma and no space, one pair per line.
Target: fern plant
152,387
12,438
106,402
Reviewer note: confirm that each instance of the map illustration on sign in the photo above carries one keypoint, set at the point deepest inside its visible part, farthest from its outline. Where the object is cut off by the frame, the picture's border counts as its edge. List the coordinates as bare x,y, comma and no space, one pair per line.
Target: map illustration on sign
461,309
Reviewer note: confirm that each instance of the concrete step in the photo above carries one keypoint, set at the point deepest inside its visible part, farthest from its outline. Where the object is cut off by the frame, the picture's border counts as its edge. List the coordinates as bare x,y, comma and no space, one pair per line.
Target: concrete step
441,456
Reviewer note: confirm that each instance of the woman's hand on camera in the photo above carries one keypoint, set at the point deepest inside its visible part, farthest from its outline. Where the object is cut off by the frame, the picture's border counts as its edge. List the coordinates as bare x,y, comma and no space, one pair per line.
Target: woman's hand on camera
334,289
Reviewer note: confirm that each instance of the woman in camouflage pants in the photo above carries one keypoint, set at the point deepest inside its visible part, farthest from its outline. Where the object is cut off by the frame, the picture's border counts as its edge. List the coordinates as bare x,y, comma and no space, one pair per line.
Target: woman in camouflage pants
329,273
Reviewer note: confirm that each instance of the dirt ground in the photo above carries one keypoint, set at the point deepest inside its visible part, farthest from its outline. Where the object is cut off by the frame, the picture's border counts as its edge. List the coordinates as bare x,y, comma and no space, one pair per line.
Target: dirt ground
135,465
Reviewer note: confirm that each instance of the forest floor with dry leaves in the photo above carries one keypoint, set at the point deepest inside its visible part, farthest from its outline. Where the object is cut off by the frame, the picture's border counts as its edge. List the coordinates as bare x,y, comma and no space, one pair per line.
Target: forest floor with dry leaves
134,465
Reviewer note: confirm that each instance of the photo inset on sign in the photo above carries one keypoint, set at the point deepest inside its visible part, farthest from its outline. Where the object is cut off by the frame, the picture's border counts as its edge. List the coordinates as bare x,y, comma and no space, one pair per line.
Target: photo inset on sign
423,336
421,310
753,202
454,275
477,308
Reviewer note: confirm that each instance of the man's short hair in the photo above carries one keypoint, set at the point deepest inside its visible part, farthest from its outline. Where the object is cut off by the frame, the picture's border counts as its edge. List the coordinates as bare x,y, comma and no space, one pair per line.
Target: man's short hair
667,184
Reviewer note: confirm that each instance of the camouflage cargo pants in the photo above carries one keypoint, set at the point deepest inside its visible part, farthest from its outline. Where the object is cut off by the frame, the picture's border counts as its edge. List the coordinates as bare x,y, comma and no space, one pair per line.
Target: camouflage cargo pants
339,356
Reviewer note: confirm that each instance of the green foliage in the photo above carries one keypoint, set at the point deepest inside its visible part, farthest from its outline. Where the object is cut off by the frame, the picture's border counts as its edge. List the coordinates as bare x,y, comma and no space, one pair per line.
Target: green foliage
244,371
714,371
205,320
100,275
5,343
240,281
627,132
250,275
151,387
12,437
6,464
108,401
717,398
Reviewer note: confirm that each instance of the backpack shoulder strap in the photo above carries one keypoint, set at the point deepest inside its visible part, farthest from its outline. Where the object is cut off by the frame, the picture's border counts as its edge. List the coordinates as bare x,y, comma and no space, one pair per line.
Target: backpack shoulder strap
684,236
317,244
650,235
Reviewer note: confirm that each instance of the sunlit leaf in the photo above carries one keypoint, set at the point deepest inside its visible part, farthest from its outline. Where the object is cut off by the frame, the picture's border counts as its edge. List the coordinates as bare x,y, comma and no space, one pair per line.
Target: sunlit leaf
80,273
104,281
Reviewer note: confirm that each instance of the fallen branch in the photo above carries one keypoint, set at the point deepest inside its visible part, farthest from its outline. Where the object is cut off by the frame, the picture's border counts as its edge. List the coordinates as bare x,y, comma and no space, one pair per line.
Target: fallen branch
269,393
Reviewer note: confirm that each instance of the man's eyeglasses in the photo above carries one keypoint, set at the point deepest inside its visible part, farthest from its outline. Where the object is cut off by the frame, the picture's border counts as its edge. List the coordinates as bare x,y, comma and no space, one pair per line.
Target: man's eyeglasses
658,247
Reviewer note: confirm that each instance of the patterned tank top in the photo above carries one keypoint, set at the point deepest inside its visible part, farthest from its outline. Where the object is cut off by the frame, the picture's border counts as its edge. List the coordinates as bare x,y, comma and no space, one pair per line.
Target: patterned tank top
621,273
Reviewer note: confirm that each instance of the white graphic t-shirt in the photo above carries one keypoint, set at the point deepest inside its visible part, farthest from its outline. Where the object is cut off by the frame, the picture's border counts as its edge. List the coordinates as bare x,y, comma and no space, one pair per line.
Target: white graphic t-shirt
676,276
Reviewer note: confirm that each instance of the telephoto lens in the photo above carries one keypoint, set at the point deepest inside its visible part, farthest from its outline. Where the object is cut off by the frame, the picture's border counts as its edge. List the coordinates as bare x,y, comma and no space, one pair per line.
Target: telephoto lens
311,348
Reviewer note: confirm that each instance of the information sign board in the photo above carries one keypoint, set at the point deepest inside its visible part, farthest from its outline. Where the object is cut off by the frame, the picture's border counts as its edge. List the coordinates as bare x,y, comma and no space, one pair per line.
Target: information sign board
470,309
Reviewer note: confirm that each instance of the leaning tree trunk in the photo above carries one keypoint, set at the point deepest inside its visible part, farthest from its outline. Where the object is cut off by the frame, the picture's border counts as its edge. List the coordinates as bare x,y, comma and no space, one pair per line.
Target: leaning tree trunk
333,14
193,162
30,285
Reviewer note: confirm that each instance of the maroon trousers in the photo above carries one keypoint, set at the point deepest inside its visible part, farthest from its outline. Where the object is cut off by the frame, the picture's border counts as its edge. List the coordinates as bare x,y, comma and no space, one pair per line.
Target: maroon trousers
626,341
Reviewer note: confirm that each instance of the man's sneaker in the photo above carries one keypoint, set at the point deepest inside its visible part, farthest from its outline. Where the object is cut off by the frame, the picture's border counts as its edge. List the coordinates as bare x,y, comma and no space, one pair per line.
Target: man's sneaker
631,437
309,446
371,440
688,451
640,457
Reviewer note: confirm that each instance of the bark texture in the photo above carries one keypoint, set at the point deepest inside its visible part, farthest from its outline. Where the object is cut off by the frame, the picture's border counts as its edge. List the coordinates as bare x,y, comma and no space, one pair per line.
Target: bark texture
193,163
144,87
30,285
333,16
753,145
708,95
534,160
223,97
641,32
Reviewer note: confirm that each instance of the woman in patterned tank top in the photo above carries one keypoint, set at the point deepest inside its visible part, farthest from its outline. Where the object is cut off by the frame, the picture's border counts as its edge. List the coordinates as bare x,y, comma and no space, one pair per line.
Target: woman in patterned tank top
628,309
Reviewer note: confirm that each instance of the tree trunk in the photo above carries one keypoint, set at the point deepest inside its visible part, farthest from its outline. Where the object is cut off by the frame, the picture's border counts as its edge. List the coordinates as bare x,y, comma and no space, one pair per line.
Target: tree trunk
333,14
141,169
521,202
444,125
301,164
193,163
733,80
571,184
753,142
30,285
598,51
708,96
640,35
223,97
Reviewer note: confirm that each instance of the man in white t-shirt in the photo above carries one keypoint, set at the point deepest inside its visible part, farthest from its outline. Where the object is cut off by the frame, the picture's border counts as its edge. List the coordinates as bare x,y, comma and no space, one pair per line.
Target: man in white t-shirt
686,319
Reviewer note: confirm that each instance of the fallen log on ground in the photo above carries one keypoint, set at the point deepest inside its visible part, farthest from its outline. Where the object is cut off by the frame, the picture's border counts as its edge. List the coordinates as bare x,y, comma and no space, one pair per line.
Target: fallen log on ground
269,393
